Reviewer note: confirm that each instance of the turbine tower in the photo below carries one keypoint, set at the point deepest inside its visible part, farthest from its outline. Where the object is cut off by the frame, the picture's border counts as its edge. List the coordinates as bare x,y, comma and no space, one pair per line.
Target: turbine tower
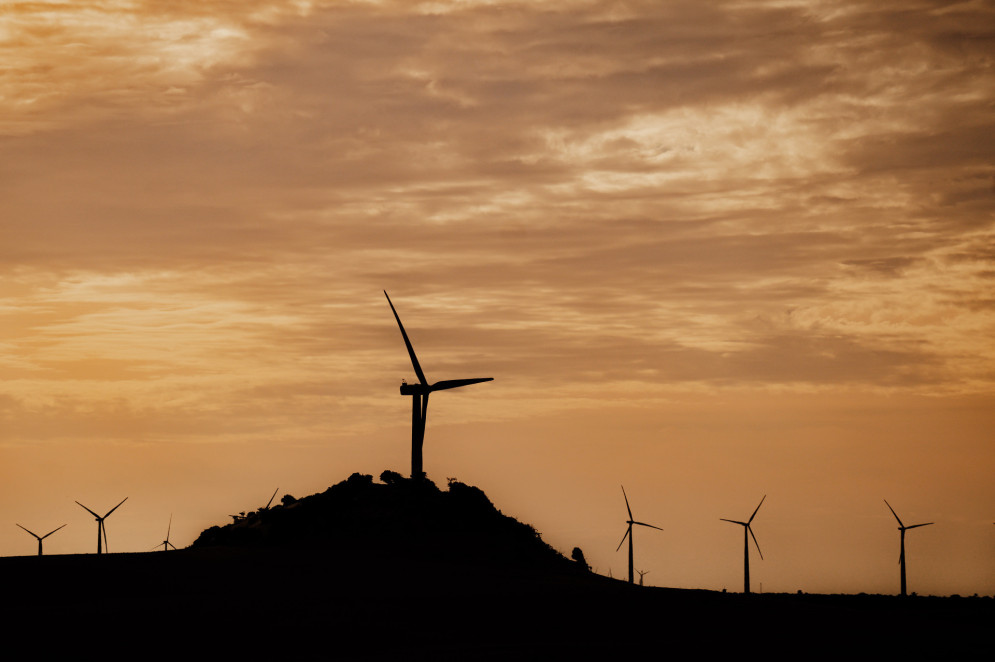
40,538
165,543
747,529
101,530
419,398
628,534
903,529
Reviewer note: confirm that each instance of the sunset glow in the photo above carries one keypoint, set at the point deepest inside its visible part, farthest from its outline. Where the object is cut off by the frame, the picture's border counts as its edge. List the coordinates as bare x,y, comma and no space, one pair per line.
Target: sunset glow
709,251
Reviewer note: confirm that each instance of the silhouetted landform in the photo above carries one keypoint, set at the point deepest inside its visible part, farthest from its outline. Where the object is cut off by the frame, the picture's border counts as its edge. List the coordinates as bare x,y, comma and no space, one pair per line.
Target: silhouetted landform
412,517
407,571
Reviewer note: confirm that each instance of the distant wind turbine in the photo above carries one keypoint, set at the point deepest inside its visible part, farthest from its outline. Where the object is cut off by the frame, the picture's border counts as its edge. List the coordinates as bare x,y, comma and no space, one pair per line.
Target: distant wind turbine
419,398
40,538
628,534
270,499
101,529
165,543
903,529
641,574
746,544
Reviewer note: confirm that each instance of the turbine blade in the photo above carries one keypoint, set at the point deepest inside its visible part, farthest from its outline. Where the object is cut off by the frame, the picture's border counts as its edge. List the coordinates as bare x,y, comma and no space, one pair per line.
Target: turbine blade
31,532
755,511
627,532
50,532
115,508
271,498
626,502
456,383
407,343
893,512
750,529
88,510
171,544
914,526
733,521
649,525
103,527
170,527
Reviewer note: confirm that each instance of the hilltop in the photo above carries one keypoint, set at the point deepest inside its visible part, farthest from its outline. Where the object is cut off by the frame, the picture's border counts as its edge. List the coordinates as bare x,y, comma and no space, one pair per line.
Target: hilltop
406,518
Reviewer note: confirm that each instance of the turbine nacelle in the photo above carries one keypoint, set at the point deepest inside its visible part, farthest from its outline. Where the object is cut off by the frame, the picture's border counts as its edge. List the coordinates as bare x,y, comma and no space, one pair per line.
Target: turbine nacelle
424,389
414,389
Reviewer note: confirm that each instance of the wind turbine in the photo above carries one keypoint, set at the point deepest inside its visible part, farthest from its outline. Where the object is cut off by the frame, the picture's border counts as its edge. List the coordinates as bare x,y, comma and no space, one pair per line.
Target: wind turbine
419,398
628,534
266,507
746,544
101,530
40,538
903,529
165,543
641,574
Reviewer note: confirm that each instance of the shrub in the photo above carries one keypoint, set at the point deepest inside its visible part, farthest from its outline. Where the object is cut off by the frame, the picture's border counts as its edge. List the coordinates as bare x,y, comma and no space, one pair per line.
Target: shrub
389,477
578,556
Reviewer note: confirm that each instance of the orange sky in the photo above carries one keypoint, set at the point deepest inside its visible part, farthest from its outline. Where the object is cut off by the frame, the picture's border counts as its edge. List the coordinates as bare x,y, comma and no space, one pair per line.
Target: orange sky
709,251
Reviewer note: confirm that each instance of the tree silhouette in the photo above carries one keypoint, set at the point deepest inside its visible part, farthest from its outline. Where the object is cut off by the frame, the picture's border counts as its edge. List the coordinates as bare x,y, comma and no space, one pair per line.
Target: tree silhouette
578,556
389,477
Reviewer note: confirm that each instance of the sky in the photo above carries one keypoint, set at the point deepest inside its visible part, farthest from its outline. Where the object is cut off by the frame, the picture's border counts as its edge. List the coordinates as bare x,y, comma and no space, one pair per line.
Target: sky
707,251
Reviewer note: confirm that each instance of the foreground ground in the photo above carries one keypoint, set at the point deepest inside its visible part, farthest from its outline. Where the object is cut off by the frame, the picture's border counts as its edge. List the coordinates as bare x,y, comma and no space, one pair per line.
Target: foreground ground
353,604
404,570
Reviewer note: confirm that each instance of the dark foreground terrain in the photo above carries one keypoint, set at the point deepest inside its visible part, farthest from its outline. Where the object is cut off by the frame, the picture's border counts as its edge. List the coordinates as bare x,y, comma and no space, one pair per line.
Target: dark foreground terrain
402,571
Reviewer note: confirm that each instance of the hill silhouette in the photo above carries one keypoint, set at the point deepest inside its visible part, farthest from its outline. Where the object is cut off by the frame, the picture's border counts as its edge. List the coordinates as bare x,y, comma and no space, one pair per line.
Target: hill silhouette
404,570
412,519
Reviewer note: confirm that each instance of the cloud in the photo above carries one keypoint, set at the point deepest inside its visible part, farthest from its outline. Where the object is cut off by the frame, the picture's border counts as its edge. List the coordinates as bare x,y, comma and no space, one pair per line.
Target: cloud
724,193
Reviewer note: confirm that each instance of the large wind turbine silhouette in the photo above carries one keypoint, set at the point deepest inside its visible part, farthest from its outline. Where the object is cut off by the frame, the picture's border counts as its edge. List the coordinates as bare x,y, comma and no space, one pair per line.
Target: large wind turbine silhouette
419,398
628,534
101,530
747,529
40,538
903,529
